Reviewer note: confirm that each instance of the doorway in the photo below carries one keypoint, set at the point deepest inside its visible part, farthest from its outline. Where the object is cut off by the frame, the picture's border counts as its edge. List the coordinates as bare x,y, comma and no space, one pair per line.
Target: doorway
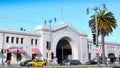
63,50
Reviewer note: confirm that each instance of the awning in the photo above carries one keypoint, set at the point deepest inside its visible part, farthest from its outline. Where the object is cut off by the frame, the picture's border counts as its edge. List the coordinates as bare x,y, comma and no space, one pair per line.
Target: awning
35,51
11,50
21,50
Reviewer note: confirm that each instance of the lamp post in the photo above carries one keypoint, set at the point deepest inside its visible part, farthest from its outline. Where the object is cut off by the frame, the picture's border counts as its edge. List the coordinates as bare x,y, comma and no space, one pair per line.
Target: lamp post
98,59
50,38
96,29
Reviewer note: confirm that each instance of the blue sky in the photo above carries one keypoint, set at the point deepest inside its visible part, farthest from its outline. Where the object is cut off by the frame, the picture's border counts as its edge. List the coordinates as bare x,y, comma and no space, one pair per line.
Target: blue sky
28,14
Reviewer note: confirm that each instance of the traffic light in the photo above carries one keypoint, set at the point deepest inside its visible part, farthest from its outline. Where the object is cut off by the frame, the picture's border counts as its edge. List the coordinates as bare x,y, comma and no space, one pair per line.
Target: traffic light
94,38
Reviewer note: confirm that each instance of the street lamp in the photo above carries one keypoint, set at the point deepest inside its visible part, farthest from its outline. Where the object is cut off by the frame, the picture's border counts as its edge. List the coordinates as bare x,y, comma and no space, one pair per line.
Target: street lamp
50,39
95,9
50,21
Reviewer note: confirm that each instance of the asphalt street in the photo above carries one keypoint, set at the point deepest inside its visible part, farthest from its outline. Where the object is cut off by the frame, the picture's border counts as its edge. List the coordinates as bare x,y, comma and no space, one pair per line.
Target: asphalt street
58,66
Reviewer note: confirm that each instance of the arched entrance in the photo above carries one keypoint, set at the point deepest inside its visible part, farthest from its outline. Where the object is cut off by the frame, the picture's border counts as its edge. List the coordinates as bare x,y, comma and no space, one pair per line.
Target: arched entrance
111,55
63,50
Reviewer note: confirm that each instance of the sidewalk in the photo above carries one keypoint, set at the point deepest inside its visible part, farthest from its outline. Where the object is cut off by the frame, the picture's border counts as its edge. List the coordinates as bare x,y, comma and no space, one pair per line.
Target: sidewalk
64,66
83,66
104,66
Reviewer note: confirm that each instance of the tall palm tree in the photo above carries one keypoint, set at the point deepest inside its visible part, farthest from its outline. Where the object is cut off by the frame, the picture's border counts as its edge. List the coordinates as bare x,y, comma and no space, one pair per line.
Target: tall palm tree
106,24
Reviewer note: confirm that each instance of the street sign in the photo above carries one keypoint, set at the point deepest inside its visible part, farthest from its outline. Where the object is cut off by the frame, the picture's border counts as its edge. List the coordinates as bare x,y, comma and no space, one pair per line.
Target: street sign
49,55
97,50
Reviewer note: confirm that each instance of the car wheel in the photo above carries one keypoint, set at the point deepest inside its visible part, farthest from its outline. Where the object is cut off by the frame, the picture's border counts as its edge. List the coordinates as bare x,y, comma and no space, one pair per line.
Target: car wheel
69,64
42,65
27,65
32,65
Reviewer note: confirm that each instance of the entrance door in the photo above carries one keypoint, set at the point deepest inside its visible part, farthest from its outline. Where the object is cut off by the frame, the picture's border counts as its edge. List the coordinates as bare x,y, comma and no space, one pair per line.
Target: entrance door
8,56
63,50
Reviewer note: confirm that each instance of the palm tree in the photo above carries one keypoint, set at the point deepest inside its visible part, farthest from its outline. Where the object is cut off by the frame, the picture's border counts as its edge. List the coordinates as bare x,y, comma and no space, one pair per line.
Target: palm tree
106,24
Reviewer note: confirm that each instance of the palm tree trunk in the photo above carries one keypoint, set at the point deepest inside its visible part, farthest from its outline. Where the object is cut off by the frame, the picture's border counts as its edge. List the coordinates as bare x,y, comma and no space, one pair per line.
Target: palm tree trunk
103,51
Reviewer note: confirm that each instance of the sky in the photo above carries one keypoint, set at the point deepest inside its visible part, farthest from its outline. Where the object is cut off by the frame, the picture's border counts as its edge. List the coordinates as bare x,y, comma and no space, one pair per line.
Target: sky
28,14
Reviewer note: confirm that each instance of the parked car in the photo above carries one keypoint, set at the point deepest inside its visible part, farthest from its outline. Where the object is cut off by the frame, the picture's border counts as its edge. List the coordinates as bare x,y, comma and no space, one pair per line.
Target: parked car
36,63
71,62
24,63
91,62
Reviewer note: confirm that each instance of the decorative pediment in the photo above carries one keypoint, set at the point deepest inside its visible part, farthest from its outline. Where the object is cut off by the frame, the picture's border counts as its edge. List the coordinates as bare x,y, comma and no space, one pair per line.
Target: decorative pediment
66,27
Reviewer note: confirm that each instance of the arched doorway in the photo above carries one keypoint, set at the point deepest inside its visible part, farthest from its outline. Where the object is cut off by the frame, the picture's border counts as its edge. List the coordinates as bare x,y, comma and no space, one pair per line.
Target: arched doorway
111,55
63,50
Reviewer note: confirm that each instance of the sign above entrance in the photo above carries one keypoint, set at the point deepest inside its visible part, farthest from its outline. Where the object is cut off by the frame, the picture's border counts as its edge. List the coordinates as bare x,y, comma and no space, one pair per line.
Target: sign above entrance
17,46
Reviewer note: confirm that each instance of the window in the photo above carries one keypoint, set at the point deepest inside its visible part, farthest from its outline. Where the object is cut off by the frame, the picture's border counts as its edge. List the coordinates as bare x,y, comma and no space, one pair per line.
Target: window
12,40
21,40
3,51
7,39
36,42
31,41
17,40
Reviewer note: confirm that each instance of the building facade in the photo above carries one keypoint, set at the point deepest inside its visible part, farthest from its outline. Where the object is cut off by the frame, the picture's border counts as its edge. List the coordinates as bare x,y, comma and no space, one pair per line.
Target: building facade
110,48
66,43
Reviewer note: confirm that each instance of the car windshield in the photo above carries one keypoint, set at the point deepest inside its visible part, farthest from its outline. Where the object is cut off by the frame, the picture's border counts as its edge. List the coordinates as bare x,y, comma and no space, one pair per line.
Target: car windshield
66,61
27,60
37,60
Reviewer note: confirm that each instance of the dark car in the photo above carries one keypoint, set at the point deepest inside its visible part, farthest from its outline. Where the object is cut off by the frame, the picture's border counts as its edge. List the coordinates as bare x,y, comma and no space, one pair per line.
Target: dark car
94,62
24,63
71,62
91,62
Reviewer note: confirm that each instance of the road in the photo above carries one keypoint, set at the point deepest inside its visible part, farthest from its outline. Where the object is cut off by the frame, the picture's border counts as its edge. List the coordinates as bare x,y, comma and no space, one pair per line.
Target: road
58,66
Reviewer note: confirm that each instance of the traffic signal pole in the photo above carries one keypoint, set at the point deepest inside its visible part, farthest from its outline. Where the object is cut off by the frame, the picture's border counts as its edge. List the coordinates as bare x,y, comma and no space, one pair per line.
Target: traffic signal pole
96,30
98,58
